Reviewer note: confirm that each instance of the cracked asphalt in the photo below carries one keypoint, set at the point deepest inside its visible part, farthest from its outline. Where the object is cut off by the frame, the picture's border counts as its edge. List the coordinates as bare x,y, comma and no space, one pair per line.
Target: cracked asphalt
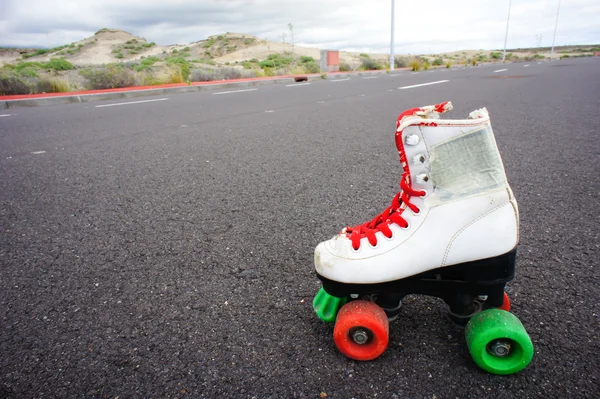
164,249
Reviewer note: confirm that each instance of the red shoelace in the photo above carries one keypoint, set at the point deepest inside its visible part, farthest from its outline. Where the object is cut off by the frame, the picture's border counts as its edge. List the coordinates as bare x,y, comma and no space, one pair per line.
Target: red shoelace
393,214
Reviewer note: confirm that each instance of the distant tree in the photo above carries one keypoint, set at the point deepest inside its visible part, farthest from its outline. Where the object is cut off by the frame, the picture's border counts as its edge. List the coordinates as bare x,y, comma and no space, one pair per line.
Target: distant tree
282,36
291,28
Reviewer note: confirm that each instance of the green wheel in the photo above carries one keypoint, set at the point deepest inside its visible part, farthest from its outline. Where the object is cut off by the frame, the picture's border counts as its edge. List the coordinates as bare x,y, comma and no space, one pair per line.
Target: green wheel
327,306
498,342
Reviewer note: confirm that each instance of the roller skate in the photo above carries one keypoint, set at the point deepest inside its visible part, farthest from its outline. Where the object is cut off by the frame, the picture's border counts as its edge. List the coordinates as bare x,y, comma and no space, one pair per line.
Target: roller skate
450,232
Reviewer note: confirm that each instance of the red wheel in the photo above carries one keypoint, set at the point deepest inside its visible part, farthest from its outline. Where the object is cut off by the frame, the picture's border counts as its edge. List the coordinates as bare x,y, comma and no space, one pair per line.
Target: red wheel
361,330
505,304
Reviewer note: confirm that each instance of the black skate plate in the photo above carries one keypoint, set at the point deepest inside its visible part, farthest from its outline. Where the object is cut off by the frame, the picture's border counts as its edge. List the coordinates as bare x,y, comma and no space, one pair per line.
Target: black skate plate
479,277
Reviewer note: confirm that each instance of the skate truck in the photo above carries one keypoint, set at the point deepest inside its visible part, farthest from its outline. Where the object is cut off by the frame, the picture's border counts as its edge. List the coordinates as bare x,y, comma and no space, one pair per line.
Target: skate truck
450,232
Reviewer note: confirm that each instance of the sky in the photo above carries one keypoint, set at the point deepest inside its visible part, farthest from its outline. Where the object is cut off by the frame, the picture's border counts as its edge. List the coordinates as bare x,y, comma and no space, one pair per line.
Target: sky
421,27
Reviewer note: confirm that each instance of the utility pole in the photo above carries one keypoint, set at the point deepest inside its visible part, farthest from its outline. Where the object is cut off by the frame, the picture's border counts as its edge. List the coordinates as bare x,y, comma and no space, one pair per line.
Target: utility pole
506,35
555,26
392,63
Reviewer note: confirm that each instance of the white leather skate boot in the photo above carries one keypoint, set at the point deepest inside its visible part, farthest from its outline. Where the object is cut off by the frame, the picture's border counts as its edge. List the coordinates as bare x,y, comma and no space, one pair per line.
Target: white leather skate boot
454,206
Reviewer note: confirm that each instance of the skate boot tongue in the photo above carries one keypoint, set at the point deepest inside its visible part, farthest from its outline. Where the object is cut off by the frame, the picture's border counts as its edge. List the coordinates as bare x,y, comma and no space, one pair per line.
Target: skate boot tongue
393,214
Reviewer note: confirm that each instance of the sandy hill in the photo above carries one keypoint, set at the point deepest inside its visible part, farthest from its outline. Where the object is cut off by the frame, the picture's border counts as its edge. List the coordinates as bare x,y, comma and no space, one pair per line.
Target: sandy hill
114,45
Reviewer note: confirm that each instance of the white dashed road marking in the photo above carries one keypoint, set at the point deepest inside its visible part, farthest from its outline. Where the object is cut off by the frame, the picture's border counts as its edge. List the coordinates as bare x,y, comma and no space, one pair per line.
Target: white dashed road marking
524,66
298,84
233,91
340,80
131,102
501,70
370,77
38,152
4,115
423,84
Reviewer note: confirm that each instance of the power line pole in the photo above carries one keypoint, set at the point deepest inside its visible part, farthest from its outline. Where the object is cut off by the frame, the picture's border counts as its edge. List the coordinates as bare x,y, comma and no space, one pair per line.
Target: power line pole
555,26
506,35
392,63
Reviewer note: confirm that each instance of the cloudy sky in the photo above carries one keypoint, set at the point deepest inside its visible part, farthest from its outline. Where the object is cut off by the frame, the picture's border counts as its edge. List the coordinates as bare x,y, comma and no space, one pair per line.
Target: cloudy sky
355,25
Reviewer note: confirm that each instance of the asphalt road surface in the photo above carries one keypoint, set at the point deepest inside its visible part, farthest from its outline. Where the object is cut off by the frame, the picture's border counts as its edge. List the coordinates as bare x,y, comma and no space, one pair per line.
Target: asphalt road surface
163,248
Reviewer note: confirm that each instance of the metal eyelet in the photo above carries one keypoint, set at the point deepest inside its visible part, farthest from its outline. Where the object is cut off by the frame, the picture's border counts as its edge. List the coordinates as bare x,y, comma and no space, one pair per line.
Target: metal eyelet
422,178
413,139
407,226
419,159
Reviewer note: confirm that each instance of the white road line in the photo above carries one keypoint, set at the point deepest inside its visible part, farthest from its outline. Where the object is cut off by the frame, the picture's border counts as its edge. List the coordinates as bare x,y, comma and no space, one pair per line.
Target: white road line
298,84
370,77
423,84
38,152
501,70
524,66
233,91
4,115
131,102
396,74
340,80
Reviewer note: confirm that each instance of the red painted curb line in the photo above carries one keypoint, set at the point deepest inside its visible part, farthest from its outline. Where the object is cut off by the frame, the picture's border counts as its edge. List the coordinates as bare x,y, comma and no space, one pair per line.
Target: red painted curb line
140,88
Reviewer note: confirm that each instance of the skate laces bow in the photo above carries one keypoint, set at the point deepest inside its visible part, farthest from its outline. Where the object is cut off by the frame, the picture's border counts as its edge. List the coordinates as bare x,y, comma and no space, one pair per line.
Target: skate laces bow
401,201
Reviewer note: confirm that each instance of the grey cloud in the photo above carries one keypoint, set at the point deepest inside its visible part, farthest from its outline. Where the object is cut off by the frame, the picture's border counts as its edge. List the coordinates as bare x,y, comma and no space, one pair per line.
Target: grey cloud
342,24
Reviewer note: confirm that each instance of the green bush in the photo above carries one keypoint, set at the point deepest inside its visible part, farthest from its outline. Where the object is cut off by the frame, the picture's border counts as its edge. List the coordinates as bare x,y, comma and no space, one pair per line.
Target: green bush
182,63
363,55
53,85
368,64
275,61
267,64
29,72
496,55
11,83
401,62
209,43
207,75
415,64
311,67
149,44
59,64
305,59
145,64
108,77
119,55
29,65
36,53
438,61
344,67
